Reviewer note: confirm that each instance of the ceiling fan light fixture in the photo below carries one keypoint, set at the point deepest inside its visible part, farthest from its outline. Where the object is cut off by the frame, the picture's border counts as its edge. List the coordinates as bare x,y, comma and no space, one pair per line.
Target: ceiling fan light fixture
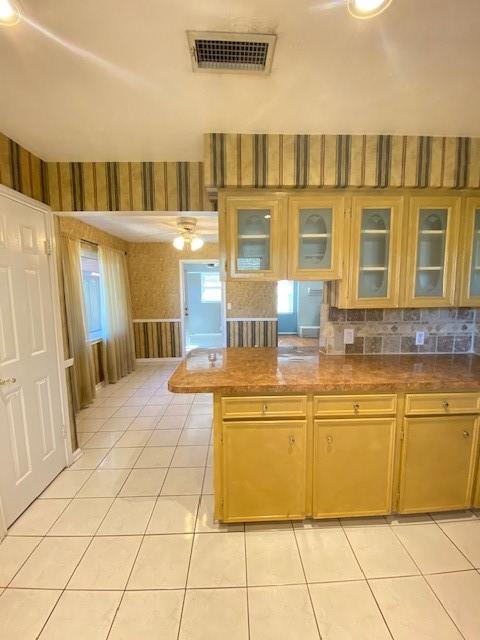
196,243
367,8
9,13
179,243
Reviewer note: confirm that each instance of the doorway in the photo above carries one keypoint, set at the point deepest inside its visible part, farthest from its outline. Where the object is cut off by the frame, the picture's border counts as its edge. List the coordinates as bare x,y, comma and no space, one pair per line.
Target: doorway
202,294
298,312
32,445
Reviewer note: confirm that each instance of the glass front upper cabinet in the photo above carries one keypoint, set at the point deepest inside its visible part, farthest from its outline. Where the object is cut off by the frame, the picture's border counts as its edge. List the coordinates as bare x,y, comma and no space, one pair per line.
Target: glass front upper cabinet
470,284
432,248
314,234
254,227
376,236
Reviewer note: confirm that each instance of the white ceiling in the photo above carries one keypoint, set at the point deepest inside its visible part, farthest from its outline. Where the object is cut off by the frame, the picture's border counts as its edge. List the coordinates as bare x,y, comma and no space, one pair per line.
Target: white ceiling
141,227
112,79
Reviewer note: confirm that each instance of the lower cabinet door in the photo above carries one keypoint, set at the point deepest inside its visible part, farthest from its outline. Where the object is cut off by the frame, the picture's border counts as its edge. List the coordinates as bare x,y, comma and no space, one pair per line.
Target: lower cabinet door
264,470
353,467
438,463
476,499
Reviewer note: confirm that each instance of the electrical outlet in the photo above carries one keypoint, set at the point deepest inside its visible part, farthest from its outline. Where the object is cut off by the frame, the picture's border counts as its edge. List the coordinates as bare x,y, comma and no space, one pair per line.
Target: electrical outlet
420,338
229,306
348,336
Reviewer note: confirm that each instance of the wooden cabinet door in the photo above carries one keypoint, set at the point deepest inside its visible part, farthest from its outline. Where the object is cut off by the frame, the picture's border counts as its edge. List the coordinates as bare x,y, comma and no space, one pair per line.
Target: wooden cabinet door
353,467
256,237
315,237
376,252
438,463
469,255
264,470
432,245
476,498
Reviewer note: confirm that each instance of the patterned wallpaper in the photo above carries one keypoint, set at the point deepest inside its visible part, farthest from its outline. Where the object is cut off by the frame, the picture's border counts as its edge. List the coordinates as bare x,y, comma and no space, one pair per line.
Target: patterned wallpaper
22,170
79,229
154,271
275,160
104,186
126,186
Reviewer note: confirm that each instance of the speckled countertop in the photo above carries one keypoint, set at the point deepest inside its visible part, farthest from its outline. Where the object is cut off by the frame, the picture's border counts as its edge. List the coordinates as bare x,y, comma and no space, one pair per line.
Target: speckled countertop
286,370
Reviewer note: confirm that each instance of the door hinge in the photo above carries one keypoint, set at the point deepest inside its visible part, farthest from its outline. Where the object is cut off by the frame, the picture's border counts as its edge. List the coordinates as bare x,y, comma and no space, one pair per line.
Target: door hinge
48,247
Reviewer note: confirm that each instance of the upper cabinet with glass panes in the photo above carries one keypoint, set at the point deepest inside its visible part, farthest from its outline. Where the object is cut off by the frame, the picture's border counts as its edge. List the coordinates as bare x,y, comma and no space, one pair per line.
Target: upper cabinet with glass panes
256,237
470,269
375,251
315,227
432,240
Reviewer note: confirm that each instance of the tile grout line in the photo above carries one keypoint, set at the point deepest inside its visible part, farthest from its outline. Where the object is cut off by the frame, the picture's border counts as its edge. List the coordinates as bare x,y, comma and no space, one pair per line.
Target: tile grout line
306,582
422,575
367,582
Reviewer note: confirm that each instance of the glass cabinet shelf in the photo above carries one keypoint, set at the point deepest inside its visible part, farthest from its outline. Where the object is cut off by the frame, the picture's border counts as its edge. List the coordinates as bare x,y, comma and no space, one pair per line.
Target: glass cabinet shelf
253,239
374,256
474,284
431,246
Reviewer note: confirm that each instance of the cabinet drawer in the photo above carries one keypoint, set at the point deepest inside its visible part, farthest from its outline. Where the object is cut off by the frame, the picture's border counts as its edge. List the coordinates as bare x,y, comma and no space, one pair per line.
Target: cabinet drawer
442,403
360,405
264,406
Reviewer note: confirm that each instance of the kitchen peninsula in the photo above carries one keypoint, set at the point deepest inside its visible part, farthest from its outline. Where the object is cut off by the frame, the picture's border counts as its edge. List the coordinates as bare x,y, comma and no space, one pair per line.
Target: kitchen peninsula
299,434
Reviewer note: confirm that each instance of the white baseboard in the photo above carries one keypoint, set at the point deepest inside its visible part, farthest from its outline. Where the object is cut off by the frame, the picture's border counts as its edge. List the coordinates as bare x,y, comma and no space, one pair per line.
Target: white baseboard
154,360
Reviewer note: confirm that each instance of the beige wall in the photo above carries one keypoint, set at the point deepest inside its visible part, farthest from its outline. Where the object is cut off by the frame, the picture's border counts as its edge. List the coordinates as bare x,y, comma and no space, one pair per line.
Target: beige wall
155,285
154,273
79,229
252,299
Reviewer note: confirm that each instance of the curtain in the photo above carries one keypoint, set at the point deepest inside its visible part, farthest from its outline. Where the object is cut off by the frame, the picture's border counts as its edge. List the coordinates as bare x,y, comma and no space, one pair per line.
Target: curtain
83,388
119,347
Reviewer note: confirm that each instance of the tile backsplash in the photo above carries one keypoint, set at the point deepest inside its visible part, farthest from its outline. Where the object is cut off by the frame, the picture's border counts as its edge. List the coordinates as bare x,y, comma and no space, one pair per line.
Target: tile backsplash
454,330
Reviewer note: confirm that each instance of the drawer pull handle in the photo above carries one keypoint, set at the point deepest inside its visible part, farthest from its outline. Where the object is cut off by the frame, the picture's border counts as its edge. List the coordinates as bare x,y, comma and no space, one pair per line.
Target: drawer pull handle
264,408
291,440
466,434
445,404
356,406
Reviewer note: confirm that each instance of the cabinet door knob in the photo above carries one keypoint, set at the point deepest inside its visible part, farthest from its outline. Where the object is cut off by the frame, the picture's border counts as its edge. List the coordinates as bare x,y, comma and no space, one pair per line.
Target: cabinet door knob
445,404
264,408
329,439
356,406
291,440
466,434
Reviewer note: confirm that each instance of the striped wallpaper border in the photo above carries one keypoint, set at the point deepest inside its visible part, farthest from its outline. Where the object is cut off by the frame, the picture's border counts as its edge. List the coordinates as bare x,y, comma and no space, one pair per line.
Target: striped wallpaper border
276,160
252,333
127,186
21,170
157,338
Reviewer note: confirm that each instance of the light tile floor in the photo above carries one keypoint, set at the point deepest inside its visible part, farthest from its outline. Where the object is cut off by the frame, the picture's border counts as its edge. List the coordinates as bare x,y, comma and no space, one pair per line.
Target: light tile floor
123,546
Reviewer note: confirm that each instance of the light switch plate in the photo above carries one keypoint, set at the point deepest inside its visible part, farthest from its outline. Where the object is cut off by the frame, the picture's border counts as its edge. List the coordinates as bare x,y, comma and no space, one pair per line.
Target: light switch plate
348,336
420,338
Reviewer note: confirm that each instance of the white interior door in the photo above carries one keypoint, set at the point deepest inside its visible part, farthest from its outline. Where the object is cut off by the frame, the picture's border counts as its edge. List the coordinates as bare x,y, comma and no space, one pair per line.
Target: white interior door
32,447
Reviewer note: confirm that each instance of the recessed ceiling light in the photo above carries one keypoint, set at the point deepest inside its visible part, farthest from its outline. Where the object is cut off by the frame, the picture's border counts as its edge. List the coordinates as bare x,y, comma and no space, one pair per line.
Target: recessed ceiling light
9,13
367,8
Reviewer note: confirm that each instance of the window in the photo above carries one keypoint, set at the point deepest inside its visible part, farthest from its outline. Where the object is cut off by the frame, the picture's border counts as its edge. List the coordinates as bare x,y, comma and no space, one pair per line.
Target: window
211,288
285,296
91,290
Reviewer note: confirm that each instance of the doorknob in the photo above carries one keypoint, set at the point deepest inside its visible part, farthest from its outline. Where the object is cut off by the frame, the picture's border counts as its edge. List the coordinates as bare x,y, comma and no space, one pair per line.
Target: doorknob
8,380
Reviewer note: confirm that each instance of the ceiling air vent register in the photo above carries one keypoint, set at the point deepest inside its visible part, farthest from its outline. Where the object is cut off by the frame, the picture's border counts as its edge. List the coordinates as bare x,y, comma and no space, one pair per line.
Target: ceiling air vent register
231,52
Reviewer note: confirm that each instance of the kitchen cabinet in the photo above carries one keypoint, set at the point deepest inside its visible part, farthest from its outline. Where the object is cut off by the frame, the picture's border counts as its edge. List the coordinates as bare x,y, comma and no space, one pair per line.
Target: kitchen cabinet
353,466
315,227
375,256
264,465
255,228
438,463
470,255
431,249
286,457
